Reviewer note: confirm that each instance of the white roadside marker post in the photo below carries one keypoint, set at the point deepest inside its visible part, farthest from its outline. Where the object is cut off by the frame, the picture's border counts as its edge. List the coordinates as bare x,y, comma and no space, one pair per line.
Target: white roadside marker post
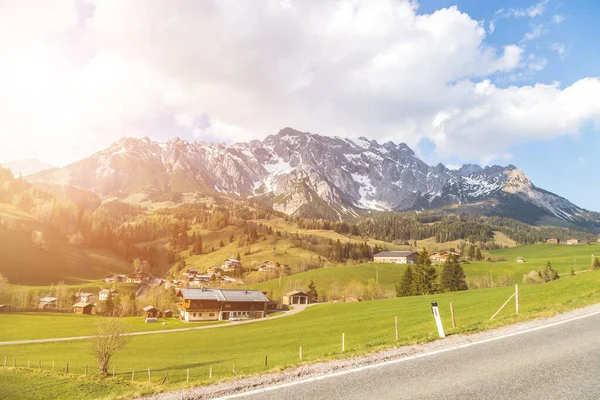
438,319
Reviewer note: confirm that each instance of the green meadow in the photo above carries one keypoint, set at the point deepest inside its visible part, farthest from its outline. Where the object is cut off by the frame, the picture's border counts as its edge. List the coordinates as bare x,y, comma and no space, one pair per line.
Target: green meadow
31,326
318,330
508,272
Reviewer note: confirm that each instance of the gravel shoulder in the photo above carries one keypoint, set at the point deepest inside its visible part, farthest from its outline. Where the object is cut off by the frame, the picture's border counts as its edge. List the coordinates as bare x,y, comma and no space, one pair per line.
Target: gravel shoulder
321,369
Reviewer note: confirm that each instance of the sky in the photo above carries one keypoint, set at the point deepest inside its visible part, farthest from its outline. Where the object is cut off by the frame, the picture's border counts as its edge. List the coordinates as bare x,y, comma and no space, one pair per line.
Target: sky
489,82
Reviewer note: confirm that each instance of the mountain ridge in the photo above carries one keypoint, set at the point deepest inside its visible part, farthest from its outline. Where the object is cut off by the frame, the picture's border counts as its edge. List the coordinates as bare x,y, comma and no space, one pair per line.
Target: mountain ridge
295,172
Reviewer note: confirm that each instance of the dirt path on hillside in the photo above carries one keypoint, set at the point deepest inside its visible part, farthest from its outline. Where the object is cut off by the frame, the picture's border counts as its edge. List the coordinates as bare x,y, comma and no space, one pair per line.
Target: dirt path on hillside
297,308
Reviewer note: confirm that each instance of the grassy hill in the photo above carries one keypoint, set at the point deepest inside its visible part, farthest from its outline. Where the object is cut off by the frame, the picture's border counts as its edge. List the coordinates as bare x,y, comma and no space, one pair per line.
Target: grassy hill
343,280
318,330
23,262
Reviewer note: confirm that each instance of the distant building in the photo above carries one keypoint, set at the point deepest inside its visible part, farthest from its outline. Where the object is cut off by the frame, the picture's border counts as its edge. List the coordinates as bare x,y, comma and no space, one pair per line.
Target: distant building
552,241
114,278
135,278
168,314
151,311
221,304
442,256
572,241
82,308
48,303
104,293
396,257
520,260
3,308
84,297
296,297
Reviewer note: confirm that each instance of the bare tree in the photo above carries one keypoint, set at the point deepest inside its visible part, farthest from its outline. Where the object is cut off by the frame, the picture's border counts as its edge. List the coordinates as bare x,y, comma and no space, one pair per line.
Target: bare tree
3,283
109,337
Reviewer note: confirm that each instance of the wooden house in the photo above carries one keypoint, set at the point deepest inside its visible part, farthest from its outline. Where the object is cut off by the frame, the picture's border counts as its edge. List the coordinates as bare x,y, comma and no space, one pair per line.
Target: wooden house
104,293
151,311
3,308
572,241
48,303
396,257
552,241
205,304
168,314
82,308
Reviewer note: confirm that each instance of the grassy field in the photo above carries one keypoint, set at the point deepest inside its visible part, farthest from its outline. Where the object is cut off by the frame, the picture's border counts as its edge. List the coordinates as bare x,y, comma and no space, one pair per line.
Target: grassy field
29,326
24,263
318,330
334,279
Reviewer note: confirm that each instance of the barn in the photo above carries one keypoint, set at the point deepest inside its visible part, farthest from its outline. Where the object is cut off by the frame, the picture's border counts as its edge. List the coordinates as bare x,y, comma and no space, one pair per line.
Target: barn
296,297
83,308
396,257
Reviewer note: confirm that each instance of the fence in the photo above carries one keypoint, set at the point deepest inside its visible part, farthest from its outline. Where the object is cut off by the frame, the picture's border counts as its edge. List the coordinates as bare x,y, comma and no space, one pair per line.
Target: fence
197,365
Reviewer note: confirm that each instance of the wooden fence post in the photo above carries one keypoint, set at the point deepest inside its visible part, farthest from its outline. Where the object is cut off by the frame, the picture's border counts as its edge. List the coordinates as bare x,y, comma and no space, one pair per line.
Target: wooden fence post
300,353
113,371
29,363
396,326
210,373
39,364
52,365
517,298
67,368
233,369
132,375
266,361
452,312
149,376
5,360
187,379
343,341
14,361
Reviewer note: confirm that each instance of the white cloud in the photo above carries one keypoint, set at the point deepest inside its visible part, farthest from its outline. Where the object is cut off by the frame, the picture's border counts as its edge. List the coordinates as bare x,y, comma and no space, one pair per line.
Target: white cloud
227,70
560,49
532,11
491,27
557,19
537,31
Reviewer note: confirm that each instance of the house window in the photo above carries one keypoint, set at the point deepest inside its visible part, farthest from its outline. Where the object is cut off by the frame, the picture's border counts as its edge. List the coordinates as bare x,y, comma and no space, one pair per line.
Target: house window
212,314
194,314
200,314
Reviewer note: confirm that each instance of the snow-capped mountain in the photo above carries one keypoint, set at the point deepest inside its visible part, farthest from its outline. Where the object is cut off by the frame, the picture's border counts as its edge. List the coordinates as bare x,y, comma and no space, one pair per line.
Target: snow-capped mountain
305,173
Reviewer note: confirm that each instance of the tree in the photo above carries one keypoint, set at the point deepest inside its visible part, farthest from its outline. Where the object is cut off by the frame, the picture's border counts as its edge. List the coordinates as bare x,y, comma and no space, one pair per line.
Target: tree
109,337
596,264
471,253
3,283
312,291
221,243
238,257
549,273
425,275
453,276
405,286
478,255
197,249
231,238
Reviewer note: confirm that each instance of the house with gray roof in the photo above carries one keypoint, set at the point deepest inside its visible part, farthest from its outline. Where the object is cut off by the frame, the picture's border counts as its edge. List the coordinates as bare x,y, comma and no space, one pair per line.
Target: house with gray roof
206,304
396,257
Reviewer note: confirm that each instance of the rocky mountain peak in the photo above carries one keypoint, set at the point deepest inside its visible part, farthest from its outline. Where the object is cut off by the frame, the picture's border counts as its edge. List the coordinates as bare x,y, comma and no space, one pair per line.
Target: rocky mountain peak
300,172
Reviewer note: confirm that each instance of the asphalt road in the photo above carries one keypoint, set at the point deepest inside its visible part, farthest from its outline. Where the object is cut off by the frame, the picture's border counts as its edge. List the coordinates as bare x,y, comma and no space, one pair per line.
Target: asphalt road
558,362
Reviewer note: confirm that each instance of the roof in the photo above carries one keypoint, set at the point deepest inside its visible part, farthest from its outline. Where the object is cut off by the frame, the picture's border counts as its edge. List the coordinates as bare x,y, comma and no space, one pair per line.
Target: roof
104,291
81,294
395,254
223,295
48,299
168,311
148,308
82,304
295,292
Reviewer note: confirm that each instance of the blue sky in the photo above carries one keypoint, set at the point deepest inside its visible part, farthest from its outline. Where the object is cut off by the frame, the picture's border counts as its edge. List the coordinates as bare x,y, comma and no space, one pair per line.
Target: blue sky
491,82
568,165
